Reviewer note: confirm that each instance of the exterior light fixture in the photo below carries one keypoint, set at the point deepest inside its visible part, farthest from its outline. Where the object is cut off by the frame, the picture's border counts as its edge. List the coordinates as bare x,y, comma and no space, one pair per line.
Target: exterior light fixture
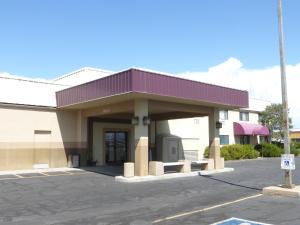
146,120
135,120
218,125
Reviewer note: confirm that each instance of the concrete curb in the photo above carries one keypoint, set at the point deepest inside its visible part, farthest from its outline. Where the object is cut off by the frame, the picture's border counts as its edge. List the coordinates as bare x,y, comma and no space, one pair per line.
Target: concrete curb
211,172
280,191
169,176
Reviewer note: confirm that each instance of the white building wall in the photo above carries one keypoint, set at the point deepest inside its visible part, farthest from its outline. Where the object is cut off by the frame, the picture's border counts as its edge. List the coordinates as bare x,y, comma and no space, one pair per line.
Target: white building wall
81,76
227,125
193,133
253,117
234,116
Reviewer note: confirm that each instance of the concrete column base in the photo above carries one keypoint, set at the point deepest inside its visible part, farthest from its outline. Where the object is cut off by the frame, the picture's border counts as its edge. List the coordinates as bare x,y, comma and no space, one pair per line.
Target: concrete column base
186,168
219,163
156,168
214,153
141,157
210,165
222,164
129,169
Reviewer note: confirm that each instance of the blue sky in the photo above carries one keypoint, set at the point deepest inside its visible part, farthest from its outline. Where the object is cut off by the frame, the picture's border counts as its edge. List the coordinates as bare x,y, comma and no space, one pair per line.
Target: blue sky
50,38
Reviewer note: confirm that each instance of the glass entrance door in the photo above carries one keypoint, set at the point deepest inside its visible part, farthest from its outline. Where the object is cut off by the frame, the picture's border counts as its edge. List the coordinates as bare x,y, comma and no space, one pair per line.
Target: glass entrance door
116,147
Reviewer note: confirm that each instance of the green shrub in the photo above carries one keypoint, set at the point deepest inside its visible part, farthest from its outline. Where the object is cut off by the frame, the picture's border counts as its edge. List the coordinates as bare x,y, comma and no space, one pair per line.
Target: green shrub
295,148
206,152
296,152
235,152
270,150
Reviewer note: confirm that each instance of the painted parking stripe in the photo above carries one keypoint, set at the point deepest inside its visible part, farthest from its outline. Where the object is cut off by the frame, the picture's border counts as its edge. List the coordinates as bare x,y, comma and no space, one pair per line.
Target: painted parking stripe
204,209
38,174
56,173
68,172
42,175
18,176
7,176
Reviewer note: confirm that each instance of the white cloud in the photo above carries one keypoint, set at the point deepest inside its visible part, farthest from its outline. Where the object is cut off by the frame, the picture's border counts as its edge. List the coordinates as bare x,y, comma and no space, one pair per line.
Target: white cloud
261,83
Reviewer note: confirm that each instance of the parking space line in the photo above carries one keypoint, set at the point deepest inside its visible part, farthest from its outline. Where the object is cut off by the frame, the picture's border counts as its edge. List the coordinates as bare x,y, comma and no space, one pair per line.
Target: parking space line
204,209
9,178
42,175
68,172
18,176
80,173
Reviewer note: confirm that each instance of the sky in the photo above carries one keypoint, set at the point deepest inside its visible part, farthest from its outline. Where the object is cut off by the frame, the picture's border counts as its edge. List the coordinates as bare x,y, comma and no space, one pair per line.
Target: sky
229,42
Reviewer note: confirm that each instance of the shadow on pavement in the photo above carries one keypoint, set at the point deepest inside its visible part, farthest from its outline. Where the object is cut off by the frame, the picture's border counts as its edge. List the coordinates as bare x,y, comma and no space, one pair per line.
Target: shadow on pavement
230,183
105,170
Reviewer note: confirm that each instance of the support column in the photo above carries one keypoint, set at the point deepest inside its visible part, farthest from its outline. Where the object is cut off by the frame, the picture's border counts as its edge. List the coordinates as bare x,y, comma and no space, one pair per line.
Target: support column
214,140
81,139
141,138
81,130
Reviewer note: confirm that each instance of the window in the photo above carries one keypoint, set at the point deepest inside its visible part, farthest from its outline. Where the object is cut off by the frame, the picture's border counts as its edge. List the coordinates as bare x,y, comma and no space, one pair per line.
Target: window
263,139
245,140
224,139
223,114
244,116
196,121
42,131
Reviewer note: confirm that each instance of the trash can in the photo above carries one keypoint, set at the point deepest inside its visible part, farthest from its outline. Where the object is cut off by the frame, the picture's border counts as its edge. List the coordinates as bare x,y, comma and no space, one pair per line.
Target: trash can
74,160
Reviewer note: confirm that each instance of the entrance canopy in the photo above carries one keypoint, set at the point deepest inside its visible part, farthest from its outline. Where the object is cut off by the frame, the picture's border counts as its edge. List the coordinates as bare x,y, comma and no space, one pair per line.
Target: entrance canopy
135,83
250,129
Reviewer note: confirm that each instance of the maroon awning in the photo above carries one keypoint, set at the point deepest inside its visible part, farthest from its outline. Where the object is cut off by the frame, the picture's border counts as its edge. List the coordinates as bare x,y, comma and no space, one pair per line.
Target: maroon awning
250,129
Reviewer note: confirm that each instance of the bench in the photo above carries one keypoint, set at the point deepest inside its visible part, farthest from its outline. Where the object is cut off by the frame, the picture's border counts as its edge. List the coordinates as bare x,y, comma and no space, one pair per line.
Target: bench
207,164
199,162
179,166
157,168
173,163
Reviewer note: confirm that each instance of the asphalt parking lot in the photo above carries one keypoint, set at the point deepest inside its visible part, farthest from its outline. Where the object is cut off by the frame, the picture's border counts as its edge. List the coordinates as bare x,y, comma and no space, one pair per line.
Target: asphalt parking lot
91,198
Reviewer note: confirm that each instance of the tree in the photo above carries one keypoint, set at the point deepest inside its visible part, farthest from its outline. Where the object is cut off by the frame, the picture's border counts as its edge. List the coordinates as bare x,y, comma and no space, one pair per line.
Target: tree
272,117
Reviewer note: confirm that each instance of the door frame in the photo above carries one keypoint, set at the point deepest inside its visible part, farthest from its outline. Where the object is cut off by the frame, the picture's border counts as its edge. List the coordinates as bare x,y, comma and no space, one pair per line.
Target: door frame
116,130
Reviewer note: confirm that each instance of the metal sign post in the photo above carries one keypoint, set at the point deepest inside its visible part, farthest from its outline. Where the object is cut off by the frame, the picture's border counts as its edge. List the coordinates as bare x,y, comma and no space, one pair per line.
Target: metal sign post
287,173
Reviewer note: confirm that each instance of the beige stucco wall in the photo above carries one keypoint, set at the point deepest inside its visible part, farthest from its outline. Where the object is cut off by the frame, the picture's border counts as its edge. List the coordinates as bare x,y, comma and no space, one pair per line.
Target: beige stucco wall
31,136
18,125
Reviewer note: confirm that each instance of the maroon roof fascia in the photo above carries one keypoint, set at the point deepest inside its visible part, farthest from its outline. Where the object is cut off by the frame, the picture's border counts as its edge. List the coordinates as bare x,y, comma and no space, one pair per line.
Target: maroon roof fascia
104,87
136,80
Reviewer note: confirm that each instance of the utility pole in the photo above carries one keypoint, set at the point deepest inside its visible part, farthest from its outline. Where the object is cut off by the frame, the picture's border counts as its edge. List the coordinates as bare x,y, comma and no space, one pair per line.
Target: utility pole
287,173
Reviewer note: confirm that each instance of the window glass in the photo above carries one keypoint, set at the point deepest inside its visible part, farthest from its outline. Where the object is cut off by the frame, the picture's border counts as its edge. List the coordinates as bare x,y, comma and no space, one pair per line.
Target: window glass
244,116
223,114
224,139
245,140
263,139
